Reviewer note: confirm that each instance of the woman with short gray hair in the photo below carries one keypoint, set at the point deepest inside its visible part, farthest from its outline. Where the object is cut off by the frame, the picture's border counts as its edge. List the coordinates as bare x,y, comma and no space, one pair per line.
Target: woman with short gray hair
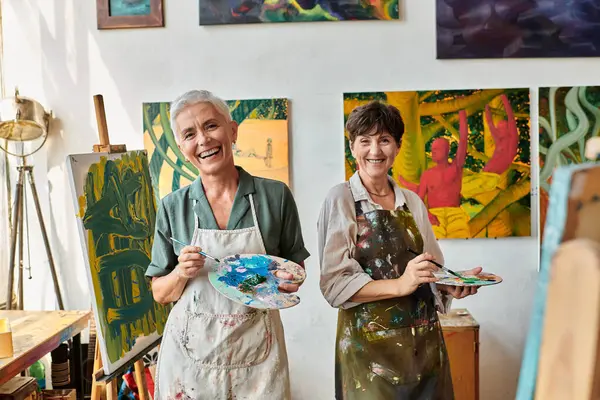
214,348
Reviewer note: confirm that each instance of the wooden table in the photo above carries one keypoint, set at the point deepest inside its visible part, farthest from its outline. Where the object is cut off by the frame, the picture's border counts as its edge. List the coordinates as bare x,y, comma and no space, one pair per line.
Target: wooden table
461,334
37,333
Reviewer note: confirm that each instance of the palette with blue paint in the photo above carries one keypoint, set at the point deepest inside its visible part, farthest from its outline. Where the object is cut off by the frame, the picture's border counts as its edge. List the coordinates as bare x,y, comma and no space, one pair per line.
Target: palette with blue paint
250,279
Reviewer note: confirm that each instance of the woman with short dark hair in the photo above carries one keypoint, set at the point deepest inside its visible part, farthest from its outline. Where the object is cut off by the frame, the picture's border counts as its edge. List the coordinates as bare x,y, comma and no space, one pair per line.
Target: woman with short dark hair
389,341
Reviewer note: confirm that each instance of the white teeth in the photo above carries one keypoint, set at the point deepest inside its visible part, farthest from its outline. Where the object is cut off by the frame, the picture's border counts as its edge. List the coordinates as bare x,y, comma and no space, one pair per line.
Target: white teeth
375,161
209,153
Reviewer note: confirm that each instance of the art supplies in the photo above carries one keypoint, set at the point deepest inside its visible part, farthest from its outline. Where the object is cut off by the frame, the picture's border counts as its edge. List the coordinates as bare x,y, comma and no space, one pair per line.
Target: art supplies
482,279
438,265
200,252
250,279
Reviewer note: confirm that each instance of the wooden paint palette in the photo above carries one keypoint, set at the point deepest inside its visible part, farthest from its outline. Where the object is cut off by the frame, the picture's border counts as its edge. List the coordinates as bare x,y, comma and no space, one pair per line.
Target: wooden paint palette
249,279
482,279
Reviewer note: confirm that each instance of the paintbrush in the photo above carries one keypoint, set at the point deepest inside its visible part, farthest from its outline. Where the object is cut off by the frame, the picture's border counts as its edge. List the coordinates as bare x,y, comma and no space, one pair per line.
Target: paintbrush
201,252
438,265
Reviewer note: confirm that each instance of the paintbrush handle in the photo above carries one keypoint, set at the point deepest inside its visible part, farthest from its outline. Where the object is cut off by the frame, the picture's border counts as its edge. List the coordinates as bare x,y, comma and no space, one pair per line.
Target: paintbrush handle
437,264
200,252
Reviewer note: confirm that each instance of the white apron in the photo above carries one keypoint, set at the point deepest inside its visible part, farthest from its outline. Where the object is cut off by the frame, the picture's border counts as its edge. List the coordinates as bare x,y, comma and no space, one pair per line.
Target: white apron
213,348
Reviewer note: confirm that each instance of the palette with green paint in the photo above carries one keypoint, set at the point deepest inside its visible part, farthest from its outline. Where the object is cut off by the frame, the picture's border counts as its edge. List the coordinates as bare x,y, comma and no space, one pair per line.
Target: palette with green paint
482,279
250,279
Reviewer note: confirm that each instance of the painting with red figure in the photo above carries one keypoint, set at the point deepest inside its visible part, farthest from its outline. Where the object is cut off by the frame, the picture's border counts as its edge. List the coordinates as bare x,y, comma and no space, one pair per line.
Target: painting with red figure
466,153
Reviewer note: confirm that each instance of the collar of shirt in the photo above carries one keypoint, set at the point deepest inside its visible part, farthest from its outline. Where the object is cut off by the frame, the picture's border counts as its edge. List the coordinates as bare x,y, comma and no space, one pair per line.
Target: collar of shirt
359,192
245,186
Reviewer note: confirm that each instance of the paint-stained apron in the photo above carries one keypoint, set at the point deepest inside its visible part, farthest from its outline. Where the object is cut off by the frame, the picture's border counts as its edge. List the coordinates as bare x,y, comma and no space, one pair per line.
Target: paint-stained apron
391,349
214,348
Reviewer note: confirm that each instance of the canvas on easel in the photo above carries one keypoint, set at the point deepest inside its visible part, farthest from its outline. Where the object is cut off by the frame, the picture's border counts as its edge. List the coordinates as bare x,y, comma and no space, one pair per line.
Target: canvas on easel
116,212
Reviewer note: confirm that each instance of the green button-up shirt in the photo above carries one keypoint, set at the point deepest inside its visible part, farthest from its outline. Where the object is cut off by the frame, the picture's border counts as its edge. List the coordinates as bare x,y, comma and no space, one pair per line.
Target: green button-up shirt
276,213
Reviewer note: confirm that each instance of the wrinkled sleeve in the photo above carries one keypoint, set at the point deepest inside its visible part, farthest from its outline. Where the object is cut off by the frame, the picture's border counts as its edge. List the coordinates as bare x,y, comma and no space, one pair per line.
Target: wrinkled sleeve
291,241
431,246
341,275
163,259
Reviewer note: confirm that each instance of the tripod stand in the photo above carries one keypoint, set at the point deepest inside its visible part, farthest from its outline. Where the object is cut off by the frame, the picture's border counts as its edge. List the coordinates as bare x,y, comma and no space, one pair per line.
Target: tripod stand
17,234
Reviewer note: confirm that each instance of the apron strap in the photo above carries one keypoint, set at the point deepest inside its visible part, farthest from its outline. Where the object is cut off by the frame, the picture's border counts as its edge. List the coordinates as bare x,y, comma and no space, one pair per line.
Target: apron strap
196,219
254,218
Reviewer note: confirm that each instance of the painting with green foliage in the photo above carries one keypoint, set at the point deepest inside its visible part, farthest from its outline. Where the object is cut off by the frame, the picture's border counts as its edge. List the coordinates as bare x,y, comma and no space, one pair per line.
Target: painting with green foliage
217,12
569,116
116,211
466,153
261,147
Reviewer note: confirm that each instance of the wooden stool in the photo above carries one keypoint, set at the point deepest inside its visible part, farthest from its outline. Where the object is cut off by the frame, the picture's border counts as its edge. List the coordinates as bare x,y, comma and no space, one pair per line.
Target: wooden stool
19,388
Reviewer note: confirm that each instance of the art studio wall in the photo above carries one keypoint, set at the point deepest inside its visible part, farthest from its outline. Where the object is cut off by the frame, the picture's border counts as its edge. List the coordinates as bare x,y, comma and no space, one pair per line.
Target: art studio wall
54,52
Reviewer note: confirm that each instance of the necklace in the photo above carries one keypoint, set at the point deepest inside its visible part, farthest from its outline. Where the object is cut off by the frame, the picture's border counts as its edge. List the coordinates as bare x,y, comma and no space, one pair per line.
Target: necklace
380,195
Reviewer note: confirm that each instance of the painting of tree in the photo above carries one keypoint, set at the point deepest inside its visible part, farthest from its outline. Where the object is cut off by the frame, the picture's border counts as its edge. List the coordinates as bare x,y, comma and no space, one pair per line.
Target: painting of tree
482,135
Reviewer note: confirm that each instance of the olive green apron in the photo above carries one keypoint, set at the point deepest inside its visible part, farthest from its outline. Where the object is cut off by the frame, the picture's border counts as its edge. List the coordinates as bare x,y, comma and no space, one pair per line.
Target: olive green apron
391,349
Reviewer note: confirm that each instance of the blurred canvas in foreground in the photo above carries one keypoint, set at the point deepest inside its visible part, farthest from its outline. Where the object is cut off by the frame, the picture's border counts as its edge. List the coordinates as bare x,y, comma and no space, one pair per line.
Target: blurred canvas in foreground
216,12
517,29
261,147
466,153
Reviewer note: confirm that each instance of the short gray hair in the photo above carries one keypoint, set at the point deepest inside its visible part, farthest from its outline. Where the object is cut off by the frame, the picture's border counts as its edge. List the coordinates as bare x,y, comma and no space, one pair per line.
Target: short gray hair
194,97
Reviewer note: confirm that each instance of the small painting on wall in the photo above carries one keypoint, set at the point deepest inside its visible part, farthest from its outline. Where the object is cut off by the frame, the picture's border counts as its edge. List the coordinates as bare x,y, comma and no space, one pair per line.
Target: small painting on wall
477,142
517,29
220,12
261,147
569,116
112,14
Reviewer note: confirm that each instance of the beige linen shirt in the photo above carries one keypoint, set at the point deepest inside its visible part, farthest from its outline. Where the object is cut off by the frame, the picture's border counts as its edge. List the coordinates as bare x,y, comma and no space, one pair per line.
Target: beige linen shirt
341,275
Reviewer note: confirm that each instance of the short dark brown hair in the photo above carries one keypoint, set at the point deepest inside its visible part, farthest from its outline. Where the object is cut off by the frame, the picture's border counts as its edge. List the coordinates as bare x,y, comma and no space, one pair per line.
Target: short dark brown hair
374,118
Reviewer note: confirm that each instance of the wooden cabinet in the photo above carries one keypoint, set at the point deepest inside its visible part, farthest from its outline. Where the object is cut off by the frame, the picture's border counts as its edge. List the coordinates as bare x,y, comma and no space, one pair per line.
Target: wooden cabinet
461,334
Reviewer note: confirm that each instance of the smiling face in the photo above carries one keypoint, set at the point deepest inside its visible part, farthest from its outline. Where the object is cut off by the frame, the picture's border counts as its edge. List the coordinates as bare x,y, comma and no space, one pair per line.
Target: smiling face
375,154
205,137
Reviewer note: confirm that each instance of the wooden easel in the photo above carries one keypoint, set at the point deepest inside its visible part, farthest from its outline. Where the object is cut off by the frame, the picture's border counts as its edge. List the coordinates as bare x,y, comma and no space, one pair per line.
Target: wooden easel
100,382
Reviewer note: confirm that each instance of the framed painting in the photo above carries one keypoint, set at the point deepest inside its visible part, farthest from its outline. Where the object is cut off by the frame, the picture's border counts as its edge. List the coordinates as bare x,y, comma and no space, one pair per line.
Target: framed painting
261,148
220,12
481,138
517,29
120,14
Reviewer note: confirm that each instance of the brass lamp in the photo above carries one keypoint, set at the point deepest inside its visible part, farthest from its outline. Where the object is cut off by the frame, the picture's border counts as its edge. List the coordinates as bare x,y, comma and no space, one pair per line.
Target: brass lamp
25,120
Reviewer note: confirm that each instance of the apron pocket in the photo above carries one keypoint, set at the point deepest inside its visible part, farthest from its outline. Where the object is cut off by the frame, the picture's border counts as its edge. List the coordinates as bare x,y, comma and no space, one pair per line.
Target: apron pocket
228,340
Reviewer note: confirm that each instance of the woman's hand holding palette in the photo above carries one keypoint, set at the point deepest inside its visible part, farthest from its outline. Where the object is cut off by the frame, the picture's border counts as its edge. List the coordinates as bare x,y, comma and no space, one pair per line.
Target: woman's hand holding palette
250,279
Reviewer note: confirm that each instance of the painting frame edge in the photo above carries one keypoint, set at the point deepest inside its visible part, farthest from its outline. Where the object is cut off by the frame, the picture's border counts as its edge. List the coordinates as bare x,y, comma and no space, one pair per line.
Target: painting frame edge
153,20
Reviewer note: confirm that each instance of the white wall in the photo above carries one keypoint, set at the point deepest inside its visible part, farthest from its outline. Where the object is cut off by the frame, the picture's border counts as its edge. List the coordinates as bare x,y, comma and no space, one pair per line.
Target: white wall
54,53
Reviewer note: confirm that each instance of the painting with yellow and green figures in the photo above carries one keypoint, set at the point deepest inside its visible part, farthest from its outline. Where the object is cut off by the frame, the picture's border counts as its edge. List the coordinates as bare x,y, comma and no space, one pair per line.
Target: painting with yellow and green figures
116,212
466,153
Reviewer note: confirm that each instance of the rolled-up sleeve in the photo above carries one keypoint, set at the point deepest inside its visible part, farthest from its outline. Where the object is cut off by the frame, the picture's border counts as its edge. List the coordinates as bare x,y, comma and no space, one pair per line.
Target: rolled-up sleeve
341,275
430,245
163,259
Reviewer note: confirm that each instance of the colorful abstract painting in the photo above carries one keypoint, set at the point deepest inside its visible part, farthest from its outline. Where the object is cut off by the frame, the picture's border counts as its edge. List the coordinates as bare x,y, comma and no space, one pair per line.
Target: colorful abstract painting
216,12
466,153
517,29
116,210
569,116
261,147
